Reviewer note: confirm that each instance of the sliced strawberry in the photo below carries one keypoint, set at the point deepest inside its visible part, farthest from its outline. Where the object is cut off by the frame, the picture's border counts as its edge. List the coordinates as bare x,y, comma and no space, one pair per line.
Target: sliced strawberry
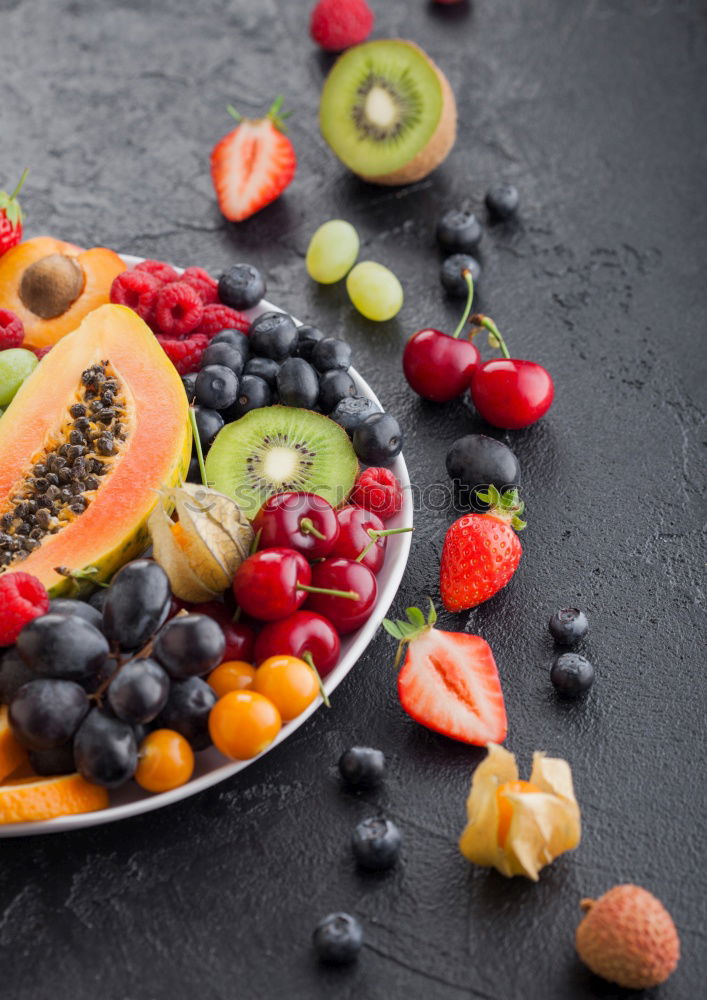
449,681
252,165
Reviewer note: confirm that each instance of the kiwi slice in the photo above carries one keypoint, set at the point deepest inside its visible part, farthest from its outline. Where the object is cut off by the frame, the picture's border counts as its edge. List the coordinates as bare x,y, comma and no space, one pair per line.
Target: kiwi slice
388,112
279,448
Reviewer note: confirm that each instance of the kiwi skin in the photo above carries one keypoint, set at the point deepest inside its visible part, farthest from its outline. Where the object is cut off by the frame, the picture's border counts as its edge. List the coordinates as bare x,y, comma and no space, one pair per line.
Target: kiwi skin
440,143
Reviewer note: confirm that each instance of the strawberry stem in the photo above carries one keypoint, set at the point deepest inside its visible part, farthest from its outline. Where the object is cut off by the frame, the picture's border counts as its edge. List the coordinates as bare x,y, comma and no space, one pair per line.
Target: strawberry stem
21,181
308,659
407,631
495,338
466,274
507,506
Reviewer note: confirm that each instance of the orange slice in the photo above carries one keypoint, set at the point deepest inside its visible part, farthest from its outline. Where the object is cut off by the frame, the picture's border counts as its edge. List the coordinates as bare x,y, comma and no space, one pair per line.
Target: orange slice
12,754
29,799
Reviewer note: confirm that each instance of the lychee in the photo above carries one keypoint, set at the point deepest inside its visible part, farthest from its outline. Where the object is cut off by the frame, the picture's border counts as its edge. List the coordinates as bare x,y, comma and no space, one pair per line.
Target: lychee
628,937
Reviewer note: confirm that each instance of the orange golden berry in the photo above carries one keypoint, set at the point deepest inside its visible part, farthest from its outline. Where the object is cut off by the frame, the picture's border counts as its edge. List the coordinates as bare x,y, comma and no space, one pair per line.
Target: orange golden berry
233,675
166,761
243,723
505,807
289,683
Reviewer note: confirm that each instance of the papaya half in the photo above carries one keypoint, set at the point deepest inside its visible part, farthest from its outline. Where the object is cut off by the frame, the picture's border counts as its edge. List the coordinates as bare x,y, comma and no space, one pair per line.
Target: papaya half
100,426
52,285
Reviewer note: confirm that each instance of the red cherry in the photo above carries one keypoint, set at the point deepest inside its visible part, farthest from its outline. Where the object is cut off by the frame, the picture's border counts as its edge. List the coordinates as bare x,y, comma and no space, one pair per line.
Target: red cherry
302,634
362,537
343,575
302,521
507,392
438,367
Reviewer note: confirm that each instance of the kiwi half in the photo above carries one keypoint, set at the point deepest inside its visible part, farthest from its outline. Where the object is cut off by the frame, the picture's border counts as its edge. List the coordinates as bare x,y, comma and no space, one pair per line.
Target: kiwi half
388,112
280,448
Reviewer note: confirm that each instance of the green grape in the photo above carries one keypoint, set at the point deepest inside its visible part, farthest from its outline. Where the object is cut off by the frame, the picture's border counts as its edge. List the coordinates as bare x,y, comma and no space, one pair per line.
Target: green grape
332,251
15,365
375,291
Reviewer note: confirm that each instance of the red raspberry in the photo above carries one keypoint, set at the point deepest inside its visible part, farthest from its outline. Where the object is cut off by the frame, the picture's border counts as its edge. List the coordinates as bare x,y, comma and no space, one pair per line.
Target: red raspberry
22,598
379,491
138,291
41,352
12,330
178,309
185,354
203,284
337,24
158,269
218,317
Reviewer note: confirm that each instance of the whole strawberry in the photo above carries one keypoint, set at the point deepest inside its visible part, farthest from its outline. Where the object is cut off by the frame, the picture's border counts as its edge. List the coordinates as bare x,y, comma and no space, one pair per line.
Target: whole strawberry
481,551
253,164
11,217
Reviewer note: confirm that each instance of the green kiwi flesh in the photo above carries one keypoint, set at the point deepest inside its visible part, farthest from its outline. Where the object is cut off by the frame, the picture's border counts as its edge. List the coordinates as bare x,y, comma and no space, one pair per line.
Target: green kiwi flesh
280,448
381,105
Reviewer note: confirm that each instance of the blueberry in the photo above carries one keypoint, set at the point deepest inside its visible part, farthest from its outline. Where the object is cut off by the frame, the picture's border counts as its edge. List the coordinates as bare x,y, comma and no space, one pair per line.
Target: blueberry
63,646
459,231
264,368
378,440
46,713
362,767
138,603
68,606
334,386
98,598
208,424
297,383
273,335
351,411
376,843
241,286
452,277
235,338
222,353
14,672
307,339
568,626
476,461
189,383
216,387
253,393
502,201
571,675
105,750
139,691
187,711
331,353
338,938
188,646
58,760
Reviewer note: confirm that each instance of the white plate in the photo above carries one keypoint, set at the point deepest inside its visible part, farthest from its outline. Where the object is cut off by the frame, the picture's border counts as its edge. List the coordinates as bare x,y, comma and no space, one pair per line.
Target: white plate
211,766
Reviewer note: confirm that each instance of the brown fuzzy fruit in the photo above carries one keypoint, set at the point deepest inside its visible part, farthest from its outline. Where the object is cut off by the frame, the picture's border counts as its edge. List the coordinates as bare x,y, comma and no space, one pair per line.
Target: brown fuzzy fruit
628,937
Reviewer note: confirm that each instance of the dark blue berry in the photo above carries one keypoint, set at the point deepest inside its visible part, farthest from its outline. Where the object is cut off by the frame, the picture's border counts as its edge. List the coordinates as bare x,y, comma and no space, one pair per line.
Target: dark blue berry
58,760
338,938
241,286
264,368
187,710
376,843
222,353
378,440
194,473
189,383
334,386
273,335
46,713
331,353
69,606
253,393
139,691
208,423
307,339
188,646
234,338
571,675
137,603
297,383
362,767
65,646
452,274
502,201
459,231
568,626
14,672
216,387
351,411
98,598
477,461
105,750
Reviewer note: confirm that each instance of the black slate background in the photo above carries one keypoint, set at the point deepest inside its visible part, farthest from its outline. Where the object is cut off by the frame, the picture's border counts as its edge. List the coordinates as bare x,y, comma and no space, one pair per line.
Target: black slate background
596,109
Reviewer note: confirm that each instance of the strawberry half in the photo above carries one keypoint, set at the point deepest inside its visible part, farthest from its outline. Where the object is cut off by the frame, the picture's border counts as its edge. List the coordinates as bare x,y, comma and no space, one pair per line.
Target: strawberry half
449,681
253,164
481,552
11,217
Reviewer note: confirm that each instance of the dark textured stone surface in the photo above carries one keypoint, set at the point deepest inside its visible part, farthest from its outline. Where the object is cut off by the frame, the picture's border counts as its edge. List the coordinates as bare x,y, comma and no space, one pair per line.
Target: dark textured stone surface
596,110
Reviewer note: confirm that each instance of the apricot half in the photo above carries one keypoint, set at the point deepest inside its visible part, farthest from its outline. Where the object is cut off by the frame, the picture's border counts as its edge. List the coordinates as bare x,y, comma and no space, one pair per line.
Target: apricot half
52,285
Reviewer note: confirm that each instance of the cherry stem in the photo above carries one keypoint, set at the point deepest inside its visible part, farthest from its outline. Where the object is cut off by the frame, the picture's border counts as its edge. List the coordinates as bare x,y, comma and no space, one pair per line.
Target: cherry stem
467,308
21,181
350,595
308,659
375,535
480,320
307,526
197,444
